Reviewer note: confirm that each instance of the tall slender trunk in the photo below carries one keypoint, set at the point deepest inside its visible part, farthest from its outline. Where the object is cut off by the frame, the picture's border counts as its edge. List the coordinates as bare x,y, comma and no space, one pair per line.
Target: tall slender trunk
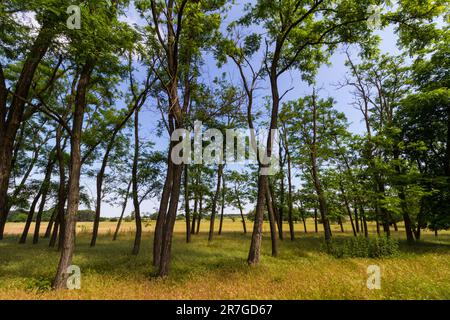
356,219
45,188
273,228
242,212
222,206
323,207
200,212
341,224
40,195
255,246
278,219
364,219
347,207
290,205
62,195
303,220
186,203
214,202
124,206
23,238
170,222
73,194
194,216
316,228
137,210
49,228
281,205
162,212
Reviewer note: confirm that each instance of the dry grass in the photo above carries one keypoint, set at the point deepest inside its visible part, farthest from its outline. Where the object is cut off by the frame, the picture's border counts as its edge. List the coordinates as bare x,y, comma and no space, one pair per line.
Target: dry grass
217,270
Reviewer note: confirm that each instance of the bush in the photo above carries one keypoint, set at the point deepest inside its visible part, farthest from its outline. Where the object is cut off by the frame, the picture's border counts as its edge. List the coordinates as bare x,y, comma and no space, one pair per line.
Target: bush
361,247
20,217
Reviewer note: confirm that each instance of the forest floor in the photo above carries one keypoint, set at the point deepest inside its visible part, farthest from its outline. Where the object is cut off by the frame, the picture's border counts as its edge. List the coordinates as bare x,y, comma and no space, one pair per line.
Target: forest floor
218,270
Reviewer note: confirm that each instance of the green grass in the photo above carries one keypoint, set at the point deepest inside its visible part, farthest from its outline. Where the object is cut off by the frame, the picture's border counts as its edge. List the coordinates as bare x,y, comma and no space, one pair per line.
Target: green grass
217,270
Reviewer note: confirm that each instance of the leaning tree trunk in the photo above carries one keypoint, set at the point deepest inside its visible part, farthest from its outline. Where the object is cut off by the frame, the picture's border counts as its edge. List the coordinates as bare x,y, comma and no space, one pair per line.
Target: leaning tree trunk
44,189
73,194
10,118
23,238
124,206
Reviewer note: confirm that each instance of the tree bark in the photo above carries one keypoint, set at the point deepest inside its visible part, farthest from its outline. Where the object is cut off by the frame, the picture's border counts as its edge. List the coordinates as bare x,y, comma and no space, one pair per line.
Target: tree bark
255,246
200,212
135,190
241,211
273,228
222,206
73,194
214,202
186,203
45,188
124,206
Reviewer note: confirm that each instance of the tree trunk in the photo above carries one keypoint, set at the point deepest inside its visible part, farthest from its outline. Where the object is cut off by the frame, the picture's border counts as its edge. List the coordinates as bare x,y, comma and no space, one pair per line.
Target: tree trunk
162,211
23,238
222,206
124,206
214,202
242,214
281,205
73,194
10,119
200,212
186,203
48,230
290,205
356,219
194,216
278,220
137,209
45,188
255,246
340,224
315,221
273,228
364,219
170,222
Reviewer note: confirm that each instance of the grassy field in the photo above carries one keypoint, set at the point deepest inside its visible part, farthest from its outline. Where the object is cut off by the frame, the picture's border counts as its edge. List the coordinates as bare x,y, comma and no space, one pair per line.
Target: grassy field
217,270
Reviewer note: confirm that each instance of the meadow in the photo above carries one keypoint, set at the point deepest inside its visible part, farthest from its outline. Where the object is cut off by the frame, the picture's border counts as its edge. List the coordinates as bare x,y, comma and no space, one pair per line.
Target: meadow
218,270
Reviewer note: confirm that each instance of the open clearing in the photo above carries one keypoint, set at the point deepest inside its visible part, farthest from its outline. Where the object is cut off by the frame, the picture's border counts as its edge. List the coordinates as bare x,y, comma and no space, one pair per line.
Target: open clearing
218,270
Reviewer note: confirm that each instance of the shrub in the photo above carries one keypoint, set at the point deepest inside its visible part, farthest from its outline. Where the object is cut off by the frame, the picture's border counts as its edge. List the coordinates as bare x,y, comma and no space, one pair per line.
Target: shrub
361,247
21,217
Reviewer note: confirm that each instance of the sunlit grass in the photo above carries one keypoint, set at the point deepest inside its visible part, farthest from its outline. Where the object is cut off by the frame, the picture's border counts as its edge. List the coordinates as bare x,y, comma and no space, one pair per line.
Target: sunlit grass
217,270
